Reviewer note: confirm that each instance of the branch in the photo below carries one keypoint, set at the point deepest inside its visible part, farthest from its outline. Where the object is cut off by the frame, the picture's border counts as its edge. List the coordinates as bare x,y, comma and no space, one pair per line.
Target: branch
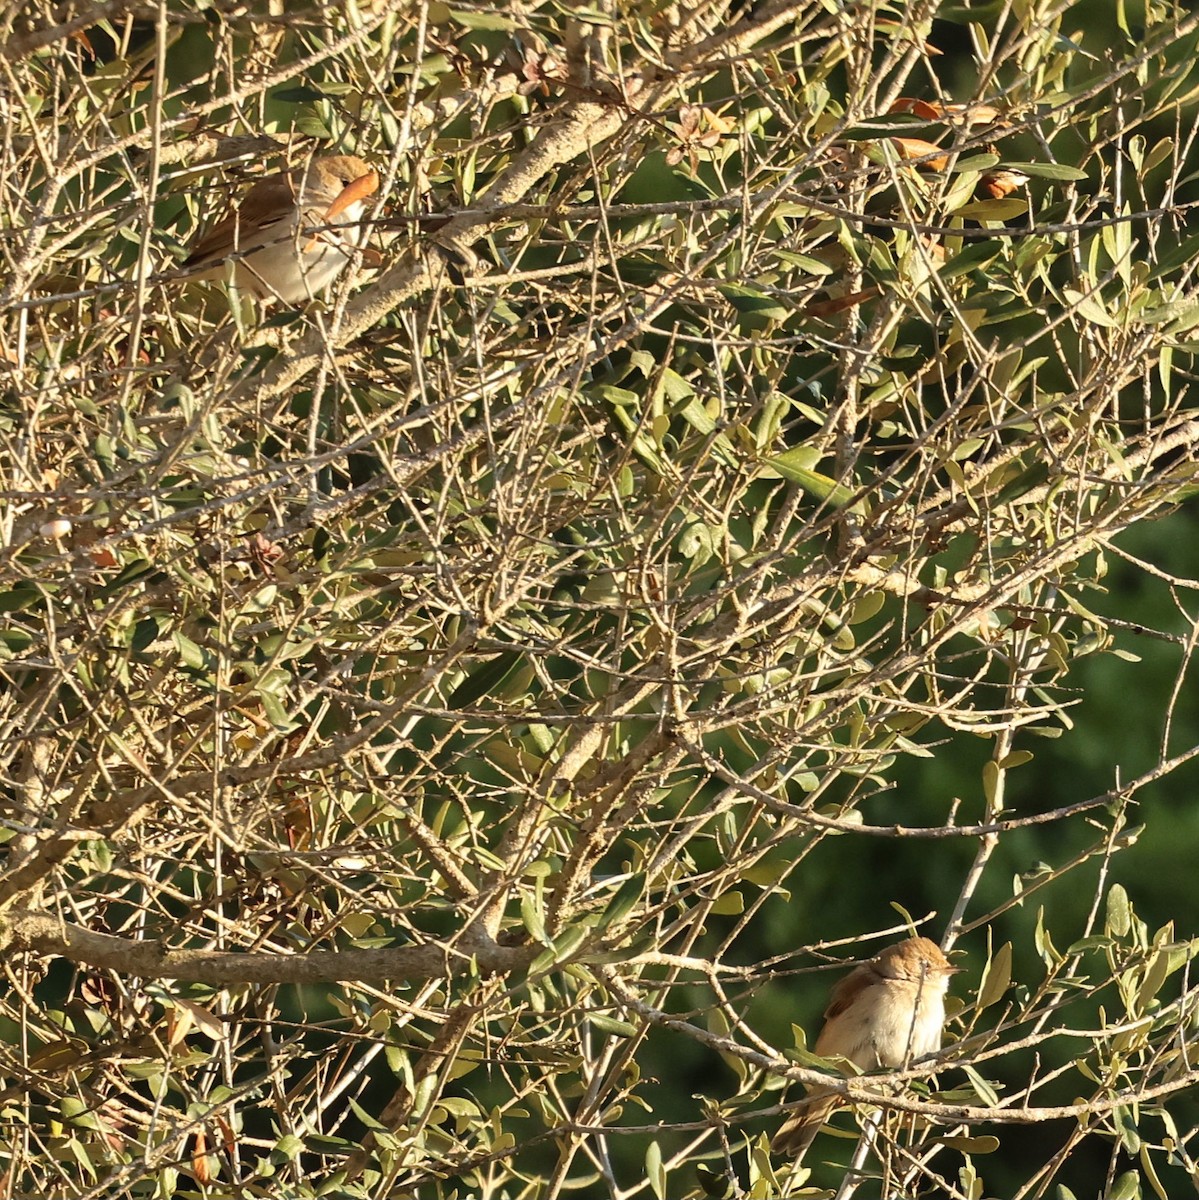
45,936
867,1090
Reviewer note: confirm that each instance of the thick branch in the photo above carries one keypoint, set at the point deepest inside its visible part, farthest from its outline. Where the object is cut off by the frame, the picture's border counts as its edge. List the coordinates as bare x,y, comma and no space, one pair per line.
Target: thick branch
43,935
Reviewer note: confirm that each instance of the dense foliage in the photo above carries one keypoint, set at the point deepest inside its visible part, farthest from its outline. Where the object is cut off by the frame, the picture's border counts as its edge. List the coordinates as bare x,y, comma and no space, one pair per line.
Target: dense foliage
447,725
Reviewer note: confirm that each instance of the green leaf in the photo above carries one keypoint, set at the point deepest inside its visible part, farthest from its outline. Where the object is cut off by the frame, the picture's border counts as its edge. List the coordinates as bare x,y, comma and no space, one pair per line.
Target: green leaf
1047,170
986,1144
713,1183
618,396
1147,1166
1026,481
994,210
990,782
275,710
1089,306
298,95
371,1121
790,465
563,947
1126,1187
1155,976
483,19
1016,758
145,633
997,977
611,1025
982,1089
287,1149
485,679
19,598
973,257
754,302
1119,911
15,641
867,605
459,1106
977,162
698,418
131,572
533,916
805,262
655,1172
191,654
627,897
1126,1128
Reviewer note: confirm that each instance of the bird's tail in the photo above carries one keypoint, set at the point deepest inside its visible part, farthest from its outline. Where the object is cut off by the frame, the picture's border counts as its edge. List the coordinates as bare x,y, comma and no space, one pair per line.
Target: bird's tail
797,1132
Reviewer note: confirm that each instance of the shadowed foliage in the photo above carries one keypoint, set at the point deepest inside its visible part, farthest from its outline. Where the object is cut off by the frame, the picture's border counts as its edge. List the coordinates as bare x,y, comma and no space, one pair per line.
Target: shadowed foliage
450,727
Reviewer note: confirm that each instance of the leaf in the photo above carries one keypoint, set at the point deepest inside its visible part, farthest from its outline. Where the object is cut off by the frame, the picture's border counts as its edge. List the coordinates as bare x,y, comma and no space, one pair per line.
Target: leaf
563,947
713,1183
1016,758
986,1144
618,396
694,413
805,262
1024,482
1089,306
627,897
990,782
982,1089
15,641
1155,976
790,466
1160,152
204,1019
993,210
976,162
287,1149
189,652
997,977
298,95
867,605
754,302
1119,911
485,19
1150,1171
611,1025
532,913
459,1106
1126,1127
1044,170
1126,1187
928,154
275,710
655,1172
485,679
20,598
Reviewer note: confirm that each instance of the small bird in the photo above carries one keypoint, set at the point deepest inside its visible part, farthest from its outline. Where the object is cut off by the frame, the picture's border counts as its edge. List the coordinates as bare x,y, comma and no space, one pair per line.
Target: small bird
293,232
884,1013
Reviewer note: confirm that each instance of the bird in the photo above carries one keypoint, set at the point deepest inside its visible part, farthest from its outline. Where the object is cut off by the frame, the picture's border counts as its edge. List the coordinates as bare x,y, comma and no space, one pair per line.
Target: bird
884,1013
293,232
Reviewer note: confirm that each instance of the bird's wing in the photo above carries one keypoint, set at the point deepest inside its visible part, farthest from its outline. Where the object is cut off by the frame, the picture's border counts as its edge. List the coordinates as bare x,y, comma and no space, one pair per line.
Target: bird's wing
267,203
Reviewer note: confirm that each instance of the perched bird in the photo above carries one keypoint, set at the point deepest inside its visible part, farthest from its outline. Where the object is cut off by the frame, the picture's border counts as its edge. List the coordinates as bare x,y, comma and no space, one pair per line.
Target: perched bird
884,1013
293,232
